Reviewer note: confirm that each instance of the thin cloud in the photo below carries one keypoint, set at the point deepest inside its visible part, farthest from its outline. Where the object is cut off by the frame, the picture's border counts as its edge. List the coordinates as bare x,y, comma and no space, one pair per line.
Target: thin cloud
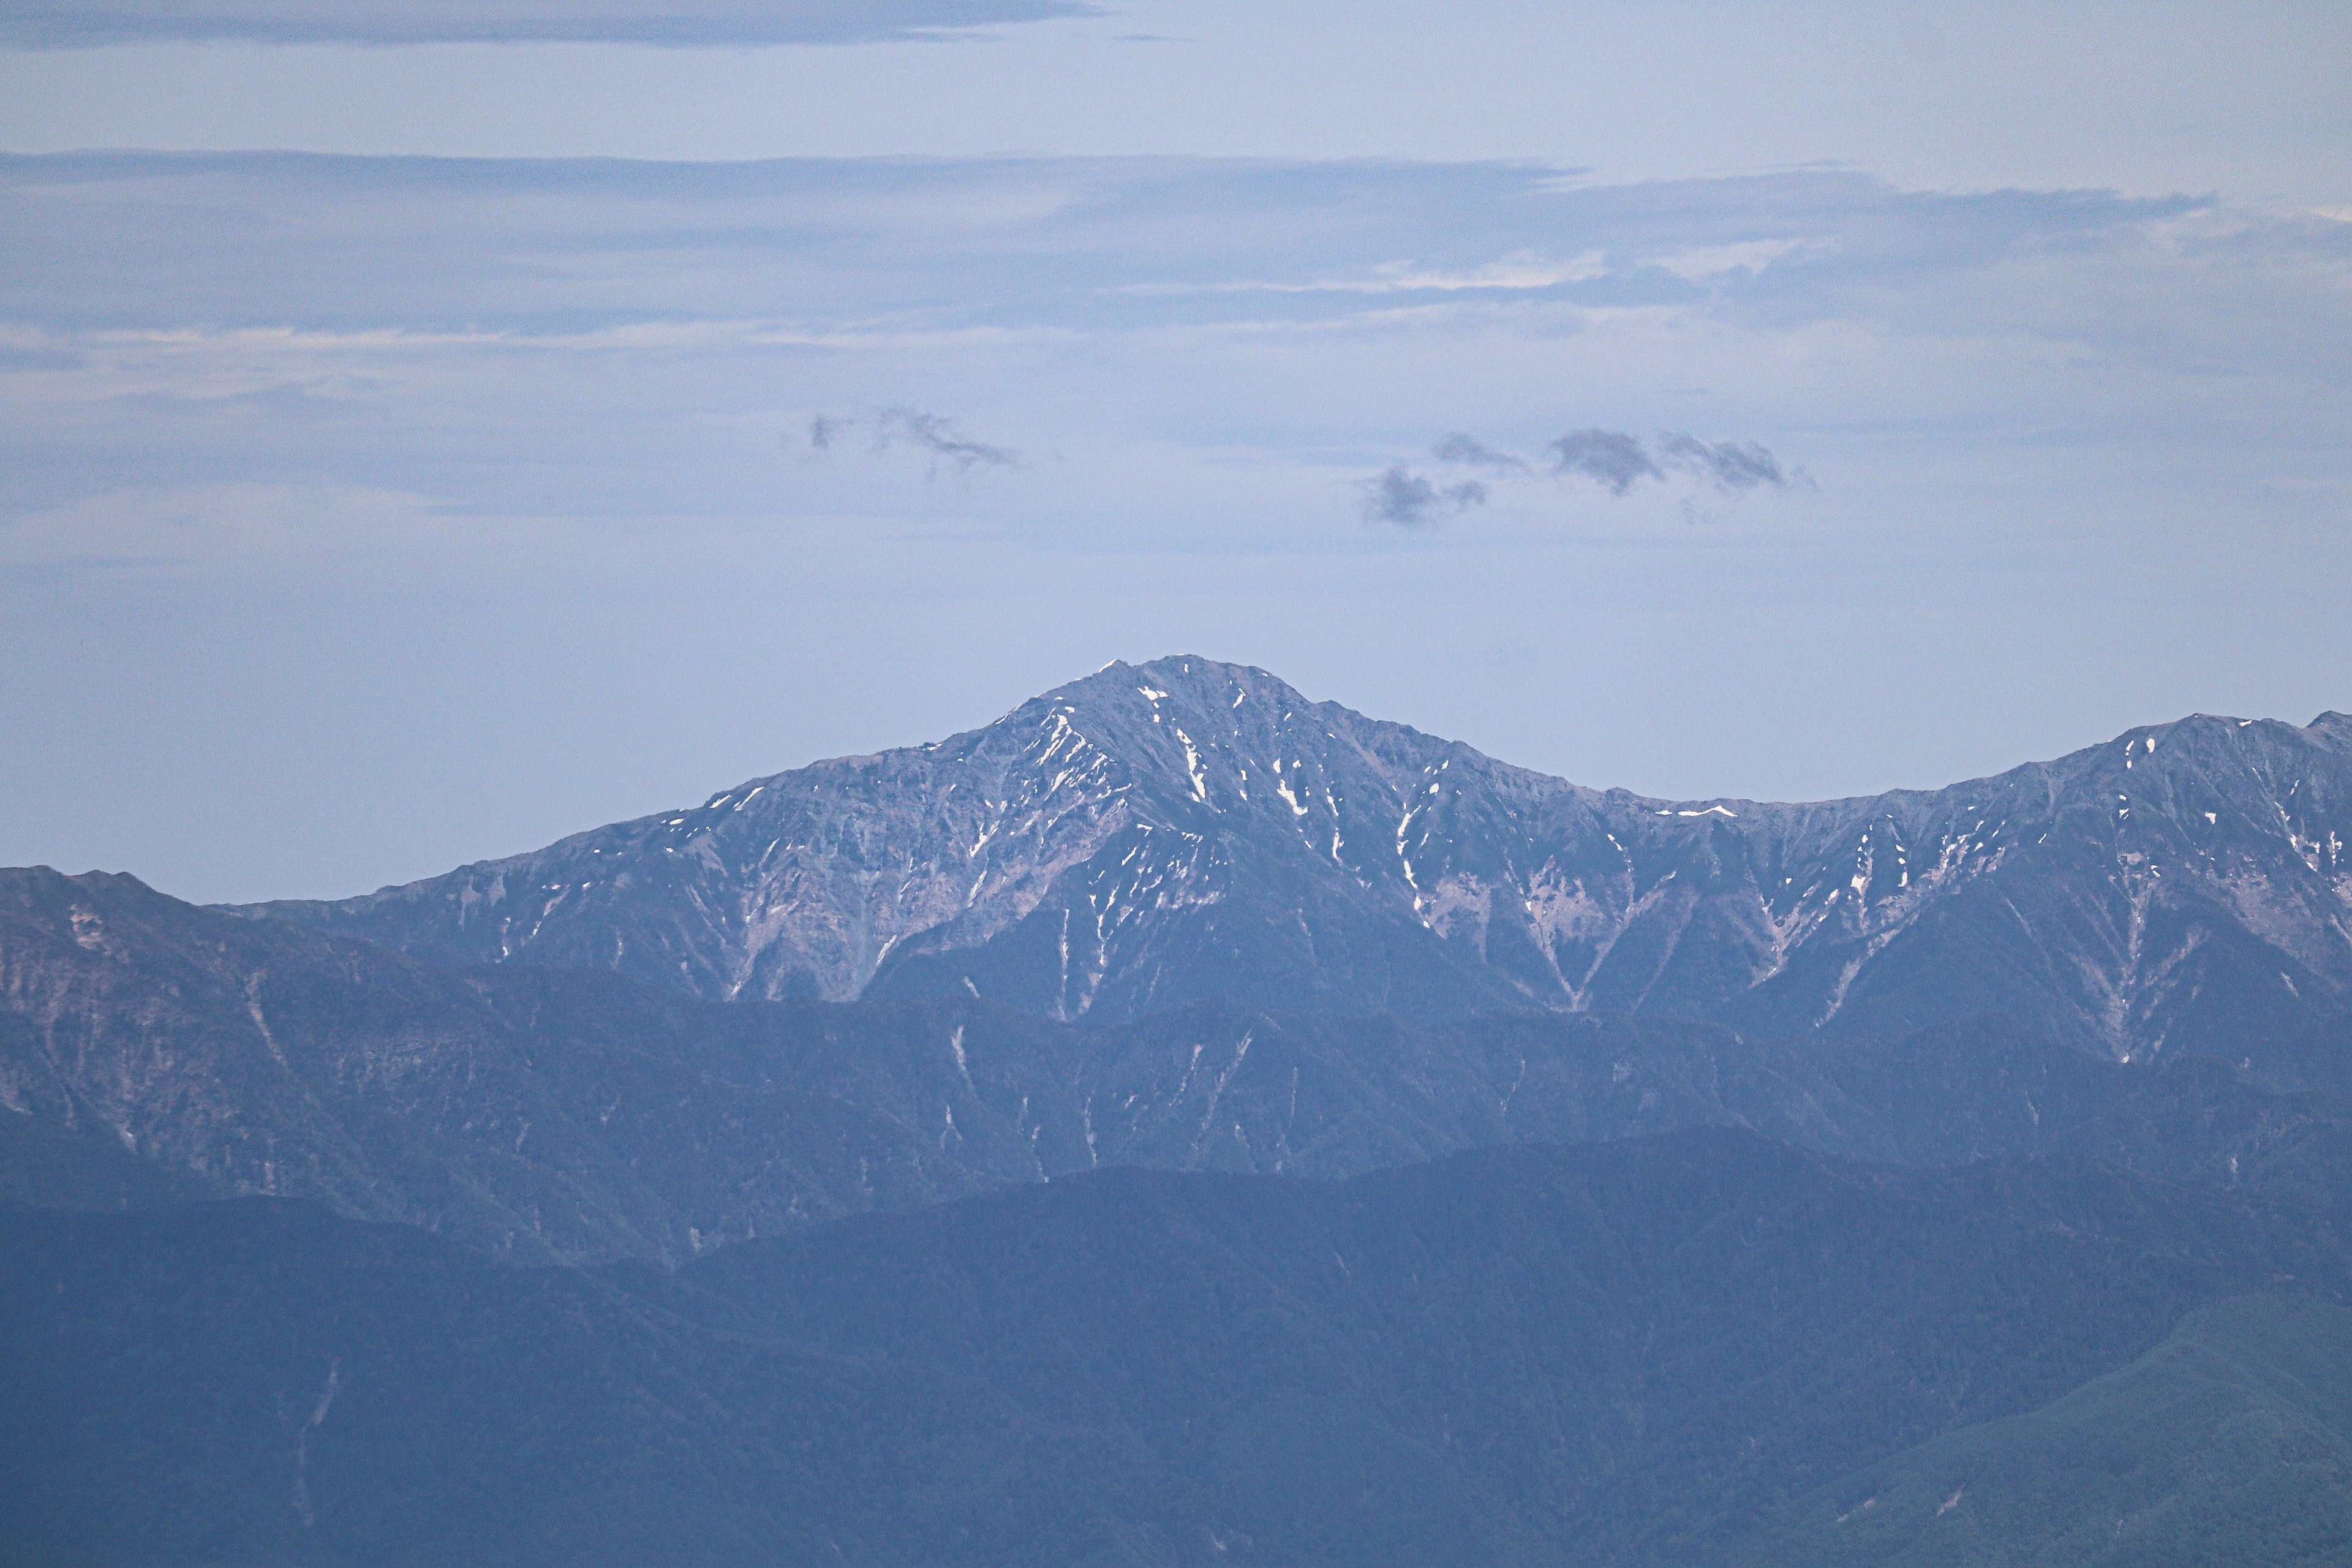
1521,270
1616,460
935,434
1731,466
1469,452
65,23
1398,495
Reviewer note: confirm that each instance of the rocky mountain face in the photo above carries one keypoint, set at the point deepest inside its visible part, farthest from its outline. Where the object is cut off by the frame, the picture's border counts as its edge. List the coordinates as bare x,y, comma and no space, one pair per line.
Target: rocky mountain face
151,1050
1185,830
521,1114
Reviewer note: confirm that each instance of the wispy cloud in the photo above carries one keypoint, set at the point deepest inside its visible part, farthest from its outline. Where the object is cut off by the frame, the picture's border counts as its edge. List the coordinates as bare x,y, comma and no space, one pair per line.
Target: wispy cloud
59,24
166,329
935,434
1398,495
1731,466
1518,271
1753,256
1469,452
1616,460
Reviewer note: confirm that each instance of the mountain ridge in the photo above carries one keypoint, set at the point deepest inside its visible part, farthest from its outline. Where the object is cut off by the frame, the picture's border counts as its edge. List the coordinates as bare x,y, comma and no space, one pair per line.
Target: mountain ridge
149,1048
1182,829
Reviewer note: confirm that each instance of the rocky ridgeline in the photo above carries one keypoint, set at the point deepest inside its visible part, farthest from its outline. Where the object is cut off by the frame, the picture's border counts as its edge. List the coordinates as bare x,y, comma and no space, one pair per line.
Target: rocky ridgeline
1185,830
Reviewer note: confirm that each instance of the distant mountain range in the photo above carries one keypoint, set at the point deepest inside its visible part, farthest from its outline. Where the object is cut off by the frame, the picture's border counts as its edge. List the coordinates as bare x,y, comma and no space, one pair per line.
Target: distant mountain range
1186,831
1703,1351
1179,1125
154,1049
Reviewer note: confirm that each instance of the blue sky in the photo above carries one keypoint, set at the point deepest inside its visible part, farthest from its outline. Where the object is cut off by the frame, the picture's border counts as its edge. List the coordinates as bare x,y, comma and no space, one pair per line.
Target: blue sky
415,455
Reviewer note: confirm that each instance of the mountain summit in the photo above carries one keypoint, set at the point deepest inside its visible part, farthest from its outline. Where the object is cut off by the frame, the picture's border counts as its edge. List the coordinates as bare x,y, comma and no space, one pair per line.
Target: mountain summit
1168,832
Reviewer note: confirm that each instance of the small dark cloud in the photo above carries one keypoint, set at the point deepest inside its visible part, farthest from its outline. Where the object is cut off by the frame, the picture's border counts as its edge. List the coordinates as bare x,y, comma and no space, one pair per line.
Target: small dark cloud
1408,499
1616,460
1609,458
1469,452
1731,466
60,24
937,434
933,434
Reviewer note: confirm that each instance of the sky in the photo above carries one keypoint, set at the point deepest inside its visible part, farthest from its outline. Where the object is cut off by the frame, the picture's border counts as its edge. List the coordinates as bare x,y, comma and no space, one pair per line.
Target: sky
435,428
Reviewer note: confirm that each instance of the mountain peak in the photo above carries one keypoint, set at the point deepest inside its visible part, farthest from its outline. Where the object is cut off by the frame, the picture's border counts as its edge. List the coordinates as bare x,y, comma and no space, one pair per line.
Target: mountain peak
1186,829
1205,684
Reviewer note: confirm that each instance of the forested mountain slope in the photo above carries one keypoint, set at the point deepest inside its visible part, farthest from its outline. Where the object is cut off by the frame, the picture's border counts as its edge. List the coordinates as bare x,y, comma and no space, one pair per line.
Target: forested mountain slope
1633,1353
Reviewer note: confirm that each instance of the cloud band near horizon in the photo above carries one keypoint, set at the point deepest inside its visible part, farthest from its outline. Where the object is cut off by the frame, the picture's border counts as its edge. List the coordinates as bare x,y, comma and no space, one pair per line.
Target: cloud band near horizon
59,24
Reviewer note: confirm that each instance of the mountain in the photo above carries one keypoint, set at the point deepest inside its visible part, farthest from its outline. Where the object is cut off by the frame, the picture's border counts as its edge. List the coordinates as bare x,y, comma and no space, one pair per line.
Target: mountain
2229,1442
1671,1351
151,1050
1185,830
552,1115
